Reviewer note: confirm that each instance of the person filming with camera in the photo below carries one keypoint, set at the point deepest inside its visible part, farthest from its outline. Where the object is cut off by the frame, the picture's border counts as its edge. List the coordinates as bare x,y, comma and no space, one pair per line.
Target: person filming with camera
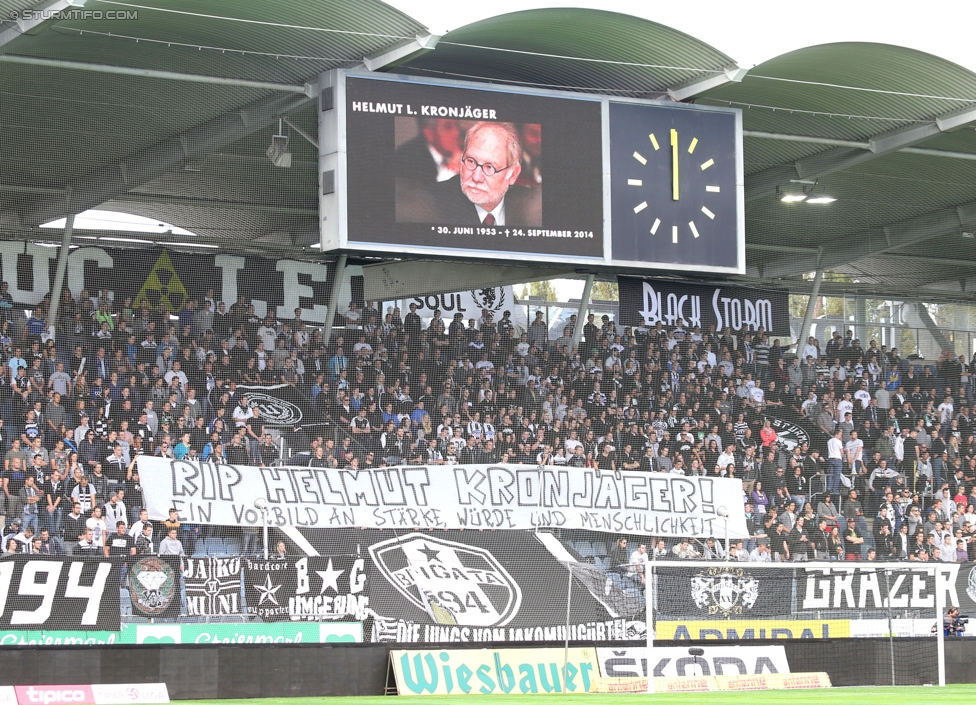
954,624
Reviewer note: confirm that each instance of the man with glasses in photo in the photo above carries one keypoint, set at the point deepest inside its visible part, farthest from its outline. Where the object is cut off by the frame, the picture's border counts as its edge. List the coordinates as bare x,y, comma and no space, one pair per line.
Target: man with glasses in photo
485,191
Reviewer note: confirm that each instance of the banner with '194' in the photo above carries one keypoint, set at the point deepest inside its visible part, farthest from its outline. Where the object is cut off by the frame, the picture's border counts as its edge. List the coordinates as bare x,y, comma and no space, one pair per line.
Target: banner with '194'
59,592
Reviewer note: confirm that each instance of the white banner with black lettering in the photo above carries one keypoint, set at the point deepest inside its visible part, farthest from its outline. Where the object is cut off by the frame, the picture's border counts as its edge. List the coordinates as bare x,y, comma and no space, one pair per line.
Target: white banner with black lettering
471,304
675,661
445,497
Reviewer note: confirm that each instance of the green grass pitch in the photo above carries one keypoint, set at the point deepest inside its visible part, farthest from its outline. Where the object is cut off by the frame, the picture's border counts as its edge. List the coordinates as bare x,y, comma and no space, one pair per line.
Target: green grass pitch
862,696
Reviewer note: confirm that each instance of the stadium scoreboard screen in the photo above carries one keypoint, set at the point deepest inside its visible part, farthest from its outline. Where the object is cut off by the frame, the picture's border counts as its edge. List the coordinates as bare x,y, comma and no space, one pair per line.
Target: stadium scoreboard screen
452,169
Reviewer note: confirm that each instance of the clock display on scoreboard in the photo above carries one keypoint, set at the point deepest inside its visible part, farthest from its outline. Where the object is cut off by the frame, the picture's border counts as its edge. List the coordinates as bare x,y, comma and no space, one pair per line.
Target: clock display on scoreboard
673,185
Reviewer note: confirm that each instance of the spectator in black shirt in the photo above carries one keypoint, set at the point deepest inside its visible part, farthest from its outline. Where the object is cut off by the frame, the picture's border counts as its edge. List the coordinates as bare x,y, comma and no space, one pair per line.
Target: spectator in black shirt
50,545
120,543
144,543
882,541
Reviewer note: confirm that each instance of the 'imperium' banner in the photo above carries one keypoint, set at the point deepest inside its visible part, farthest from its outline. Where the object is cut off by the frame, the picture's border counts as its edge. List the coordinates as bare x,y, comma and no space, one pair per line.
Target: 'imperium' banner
445,497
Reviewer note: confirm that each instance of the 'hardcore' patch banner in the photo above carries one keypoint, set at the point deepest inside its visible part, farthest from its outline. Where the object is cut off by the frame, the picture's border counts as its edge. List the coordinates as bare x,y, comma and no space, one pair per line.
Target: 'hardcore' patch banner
445,497
308,588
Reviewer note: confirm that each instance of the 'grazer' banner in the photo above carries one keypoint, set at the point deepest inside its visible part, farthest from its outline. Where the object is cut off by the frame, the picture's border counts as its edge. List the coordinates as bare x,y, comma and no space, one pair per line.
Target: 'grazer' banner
729,308
445,497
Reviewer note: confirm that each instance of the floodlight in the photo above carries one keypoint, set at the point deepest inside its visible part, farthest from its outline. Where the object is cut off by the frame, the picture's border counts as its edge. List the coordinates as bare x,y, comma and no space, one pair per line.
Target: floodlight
278,151
791,193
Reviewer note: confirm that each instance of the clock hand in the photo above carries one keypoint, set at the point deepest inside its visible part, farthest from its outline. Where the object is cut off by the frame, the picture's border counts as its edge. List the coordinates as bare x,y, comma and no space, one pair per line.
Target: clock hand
674,166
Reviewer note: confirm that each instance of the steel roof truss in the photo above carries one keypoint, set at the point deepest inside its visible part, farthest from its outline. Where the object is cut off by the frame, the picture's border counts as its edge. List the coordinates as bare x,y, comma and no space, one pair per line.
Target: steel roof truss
117,178
878,241
706,82
831,161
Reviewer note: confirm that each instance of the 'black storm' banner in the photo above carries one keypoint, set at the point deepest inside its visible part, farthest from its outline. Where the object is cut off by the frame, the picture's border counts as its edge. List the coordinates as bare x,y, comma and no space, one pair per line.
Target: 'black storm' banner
59,592
732,309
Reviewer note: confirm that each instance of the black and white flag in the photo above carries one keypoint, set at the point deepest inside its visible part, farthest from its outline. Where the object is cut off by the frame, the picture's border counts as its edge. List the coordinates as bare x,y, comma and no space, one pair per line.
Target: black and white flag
213,586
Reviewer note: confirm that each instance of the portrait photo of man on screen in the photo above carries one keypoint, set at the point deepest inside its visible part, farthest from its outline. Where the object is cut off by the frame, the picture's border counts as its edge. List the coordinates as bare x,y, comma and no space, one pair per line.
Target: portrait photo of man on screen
488,189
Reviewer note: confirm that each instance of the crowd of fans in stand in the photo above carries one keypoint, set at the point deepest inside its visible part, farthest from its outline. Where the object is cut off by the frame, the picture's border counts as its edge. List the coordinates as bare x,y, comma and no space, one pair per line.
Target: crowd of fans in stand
883,468
889,469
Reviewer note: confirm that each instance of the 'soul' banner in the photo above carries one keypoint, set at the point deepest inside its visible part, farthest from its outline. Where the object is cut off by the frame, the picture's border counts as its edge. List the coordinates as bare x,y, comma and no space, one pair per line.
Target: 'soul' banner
445,497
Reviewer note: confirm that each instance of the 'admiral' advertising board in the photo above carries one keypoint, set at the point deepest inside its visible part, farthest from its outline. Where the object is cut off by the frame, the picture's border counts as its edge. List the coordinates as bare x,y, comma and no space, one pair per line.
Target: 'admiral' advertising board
731,309
445,497
750,629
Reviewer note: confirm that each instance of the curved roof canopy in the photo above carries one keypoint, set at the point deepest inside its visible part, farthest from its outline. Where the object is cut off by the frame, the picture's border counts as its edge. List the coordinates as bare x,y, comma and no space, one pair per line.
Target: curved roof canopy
165,110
